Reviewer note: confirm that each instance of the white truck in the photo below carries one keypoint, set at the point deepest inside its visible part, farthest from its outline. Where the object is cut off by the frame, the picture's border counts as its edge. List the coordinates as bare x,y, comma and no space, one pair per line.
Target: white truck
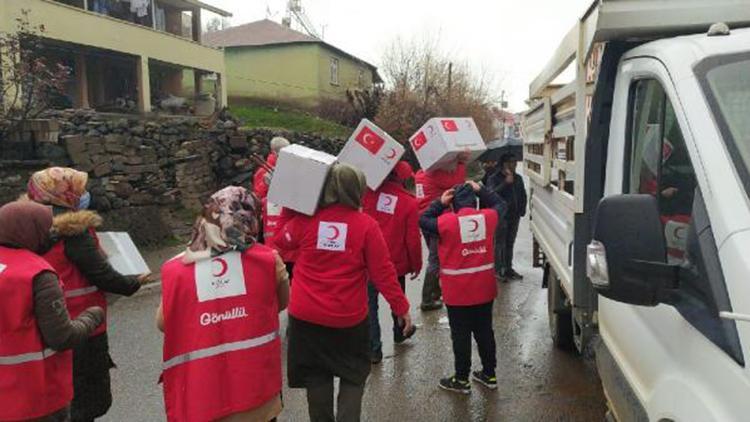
640,203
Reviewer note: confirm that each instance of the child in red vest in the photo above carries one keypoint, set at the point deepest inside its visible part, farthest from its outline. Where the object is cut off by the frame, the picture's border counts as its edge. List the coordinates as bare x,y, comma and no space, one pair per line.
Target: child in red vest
466,242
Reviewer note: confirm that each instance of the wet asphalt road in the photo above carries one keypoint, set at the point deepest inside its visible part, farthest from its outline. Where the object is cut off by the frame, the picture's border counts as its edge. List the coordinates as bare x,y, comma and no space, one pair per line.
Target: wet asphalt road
536,381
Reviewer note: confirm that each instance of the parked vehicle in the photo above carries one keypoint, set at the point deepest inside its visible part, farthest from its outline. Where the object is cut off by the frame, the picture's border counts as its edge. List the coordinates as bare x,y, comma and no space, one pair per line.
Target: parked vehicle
640,203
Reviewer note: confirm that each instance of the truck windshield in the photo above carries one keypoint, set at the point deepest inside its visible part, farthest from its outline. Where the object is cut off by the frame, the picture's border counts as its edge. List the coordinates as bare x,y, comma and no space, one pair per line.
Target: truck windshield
726,82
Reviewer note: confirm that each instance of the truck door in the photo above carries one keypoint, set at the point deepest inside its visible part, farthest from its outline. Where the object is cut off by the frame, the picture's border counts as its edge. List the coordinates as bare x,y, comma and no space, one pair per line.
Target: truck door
682,353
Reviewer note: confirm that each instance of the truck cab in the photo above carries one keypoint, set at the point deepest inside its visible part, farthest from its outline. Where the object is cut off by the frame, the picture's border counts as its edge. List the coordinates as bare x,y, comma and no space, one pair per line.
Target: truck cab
640,204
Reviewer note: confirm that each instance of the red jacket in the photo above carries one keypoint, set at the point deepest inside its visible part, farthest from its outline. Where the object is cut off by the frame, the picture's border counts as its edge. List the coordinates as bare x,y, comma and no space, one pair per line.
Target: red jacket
467,256
34,381
338,248
395,210
271,228
430,185
222,353
260,187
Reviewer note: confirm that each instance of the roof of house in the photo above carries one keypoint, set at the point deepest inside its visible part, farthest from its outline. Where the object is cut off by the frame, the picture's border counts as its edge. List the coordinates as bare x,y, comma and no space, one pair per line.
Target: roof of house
267,32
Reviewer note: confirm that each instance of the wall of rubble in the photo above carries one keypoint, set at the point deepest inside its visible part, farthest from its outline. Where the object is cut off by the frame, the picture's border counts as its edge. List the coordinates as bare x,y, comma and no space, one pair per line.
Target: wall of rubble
173,162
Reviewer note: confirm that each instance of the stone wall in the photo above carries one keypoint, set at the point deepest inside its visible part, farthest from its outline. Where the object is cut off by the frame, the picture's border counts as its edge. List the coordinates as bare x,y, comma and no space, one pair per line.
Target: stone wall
173,163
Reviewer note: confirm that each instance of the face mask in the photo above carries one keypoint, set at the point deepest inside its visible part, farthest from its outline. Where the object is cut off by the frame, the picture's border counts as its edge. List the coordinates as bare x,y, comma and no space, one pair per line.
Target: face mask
85,201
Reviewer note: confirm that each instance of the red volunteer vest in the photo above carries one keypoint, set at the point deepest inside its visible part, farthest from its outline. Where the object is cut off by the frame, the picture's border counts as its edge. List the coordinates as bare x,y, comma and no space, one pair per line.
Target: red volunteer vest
34,381
79,293
271,220
222,353
467,256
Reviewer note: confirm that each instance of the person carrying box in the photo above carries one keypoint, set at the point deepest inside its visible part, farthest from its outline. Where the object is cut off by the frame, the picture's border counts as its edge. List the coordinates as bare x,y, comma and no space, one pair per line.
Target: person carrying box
395,210
429,186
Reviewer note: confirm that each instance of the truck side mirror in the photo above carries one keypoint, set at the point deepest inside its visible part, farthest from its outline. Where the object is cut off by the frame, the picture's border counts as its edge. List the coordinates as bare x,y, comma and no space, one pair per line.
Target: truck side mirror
627,260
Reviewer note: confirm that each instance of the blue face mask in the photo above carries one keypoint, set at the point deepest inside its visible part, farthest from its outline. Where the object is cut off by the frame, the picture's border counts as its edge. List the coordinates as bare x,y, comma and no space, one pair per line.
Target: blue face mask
85,201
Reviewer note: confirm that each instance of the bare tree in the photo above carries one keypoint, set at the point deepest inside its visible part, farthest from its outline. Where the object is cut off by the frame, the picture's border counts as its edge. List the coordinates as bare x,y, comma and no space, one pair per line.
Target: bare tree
30,80
424,82
216,24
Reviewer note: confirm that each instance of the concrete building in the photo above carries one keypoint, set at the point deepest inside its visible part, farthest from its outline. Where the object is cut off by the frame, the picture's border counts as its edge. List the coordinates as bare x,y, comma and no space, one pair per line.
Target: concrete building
267,61
126,55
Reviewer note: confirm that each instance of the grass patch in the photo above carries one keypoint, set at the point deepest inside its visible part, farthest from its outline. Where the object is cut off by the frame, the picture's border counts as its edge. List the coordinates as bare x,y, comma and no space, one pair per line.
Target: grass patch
294,121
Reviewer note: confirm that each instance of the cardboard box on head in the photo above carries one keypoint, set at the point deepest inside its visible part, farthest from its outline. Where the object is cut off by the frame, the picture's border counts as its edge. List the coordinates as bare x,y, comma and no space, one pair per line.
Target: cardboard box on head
439,142
299,177
373,151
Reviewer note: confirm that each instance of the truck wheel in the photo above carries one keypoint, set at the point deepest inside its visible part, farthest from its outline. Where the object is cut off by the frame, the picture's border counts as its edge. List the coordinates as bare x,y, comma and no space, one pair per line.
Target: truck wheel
559,316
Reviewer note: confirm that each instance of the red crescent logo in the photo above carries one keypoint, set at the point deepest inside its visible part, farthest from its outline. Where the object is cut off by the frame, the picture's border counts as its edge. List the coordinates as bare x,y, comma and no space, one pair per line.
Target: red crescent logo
388,201
476,225
223,265
336,233
678,232
392,154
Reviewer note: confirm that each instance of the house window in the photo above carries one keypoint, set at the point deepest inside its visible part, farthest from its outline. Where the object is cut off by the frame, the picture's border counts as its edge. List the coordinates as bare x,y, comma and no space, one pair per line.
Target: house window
361,78
334,71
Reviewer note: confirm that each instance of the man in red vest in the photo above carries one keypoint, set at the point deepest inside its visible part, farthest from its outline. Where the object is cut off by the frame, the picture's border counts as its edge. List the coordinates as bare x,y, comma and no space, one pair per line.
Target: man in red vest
271,228
395,210
261,182
466,242
429,186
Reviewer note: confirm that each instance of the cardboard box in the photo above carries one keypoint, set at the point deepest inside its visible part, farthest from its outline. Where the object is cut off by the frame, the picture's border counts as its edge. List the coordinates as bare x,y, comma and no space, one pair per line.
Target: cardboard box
373,151
439,142
299,177
122,253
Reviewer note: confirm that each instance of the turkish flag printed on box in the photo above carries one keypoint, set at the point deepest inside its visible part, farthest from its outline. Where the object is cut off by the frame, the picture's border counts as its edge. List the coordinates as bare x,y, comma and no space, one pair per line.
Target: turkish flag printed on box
439,142
419,141
370,140
373,151
449,125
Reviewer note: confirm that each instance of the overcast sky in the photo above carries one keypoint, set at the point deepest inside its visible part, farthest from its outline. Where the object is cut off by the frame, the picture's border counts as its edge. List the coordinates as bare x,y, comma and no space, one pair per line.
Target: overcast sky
512,39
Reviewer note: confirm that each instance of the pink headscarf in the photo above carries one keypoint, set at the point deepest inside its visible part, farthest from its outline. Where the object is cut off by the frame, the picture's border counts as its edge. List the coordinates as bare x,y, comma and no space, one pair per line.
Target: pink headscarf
60,186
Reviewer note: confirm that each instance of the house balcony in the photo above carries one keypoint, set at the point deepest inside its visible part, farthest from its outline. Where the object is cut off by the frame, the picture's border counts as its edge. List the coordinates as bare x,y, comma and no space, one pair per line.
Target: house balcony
158,39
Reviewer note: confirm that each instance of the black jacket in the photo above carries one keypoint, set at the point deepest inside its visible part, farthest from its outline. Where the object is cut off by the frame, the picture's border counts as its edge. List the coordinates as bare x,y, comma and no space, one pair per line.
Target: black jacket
513,194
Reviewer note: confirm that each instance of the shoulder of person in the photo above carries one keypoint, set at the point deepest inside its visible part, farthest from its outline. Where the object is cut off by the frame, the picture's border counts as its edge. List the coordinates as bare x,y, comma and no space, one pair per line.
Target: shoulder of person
75,223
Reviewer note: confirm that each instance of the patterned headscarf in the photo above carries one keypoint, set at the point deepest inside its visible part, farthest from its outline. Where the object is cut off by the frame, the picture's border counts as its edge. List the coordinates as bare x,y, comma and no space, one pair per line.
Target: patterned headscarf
230,221
59,186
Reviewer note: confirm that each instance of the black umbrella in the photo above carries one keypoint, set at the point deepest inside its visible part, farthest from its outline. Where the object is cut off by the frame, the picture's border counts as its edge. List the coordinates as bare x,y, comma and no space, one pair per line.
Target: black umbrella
502,147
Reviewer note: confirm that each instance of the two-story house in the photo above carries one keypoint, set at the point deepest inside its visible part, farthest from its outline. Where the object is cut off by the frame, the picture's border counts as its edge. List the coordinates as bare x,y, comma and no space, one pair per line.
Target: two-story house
271,62
126,55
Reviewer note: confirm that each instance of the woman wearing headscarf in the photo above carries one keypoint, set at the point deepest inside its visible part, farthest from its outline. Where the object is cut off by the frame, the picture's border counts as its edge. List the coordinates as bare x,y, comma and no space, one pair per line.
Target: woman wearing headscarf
87,275
35,368
219,314
339,247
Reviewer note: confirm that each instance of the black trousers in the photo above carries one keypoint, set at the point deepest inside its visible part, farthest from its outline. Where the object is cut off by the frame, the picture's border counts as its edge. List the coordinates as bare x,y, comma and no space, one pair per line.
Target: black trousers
466,321
506,240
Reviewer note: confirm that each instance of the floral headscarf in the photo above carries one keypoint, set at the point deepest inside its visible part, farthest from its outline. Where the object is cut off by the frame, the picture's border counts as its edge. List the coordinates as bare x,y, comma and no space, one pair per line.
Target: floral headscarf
230,221
60,186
